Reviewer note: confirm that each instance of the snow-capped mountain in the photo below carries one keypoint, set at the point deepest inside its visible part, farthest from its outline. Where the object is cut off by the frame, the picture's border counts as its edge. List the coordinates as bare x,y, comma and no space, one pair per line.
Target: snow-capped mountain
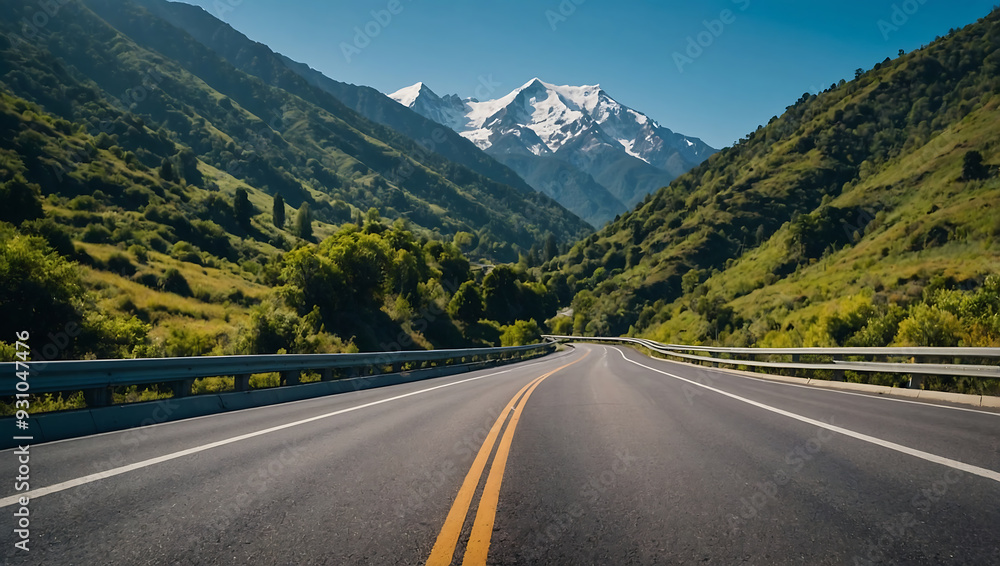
568,130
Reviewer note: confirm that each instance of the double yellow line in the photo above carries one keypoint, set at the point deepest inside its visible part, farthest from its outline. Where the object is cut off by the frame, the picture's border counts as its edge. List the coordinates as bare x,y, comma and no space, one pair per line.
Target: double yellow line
482,529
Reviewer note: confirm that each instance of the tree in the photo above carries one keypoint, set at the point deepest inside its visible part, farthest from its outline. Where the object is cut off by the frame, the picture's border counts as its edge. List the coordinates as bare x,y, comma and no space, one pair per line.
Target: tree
691,280
44,294
167,170
550,249
467,304
929,326
502,295
20,201
242,208
278,212
858,73
189,167
521,333
41,290
972,166
303,223
633,256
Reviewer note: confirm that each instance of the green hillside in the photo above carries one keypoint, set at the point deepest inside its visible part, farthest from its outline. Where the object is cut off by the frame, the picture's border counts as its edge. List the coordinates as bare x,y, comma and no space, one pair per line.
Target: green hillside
866,214
160,202
113,59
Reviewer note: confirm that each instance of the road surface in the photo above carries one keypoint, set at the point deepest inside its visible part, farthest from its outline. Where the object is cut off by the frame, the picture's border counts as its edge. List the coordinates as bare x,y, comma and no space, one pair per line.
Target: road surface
594,455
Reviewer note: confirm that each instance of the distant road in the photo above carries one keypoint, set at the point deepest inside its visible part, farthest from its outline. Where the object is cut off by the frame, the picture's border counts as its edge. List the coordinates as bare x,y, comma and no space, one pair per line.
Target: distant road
596,455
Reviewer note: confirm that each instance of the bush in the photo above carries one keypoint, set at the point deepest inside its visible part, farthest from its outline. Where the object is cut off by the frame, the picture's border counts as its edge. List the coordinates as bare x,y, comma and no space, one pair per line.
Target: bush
184,251
96,234
84,202
273,328
120,263
520,333
41,290
139,252
20,201
929,326
173,282
184,342
57,237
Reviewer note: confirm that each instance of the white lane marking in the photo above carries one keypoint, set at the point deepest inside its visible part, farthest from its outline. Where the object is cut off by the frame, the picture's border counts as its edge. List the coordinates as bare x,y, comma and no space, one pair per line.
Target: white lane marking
62,486
276,405
962,466
873,395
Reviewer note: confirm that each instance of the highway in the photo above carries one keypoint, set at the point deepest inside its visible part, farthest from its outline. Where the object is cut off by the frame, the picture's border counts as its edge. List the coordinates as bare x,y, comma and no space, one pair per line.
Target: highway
593,455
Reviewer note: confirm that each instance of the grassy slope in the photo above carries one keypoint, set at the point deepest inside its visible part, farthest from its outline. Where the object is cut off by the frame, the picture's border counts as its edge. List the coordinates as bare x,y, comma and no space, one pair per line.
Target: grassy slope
882,153
304,144
917,192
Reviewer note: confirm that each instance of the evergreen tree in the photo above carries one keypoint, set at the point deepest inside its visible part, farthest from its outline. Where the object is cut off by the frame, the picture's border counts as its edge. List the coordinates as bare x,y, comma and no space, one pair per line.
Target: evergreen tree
167,170
303,223
243,208
550,249
972,166
467,304
278,212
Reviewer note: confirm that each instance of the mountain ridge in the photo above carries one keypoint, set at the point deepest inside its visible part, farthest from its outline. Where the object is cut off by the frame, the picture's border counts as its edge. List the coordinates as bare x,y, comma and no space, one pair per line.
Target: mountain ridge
863,215
618,148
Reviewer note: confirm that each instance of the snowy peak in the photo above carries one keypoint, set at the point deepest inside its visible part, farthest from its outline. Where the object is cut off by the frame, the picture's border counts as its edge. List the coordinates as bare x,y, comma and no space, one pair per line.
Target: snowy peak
557,114
408,95
448,110
583,127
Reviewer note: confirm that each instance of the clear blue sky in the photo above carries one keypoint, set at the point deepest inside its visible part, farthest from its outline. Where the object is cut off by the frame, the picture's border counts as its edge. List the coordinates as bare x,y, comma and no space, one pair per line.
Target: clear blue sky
769,53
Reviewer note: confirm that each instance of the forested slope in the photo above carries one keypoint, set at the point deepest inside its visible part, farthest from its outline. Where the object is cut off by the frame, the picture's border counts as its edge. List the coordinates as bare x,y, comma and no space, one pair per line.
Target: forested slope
865,214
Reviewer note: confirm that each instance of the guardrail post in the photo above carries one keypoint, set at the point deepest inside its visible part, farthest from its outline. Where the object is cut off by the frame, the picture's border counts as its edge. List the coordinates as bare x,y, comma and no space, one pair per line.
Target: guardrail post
290,377
241,382
915,381
182,388
838,374
98,397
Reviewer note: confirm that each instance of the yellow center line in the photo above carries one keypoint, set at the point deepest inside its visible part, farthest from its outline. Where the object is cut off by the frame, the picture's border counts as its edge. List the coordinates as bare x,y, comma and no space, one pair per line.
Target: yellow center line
447,541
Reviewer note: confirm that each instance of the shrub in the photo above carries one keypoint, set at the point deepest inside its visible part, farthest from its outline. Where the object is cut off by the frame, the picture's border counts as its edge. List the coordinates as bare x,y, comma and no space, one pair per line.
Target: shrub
929,326
520,333
184,251
21,201
173,282
96,234
120,263
57,237
139,252
84,202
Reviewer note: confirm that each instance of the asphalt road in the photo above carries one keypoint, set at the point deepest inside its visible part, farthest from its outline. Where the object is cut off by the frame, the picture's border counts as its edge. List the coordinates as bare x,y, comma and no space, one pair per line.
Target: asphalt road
596,455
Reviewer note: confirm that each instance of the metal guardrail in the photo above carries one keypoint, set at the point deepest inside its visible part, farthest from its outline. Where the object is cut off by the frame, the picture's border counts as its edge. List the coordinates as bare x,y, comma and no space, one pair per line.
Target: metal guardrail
96,378
838,365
